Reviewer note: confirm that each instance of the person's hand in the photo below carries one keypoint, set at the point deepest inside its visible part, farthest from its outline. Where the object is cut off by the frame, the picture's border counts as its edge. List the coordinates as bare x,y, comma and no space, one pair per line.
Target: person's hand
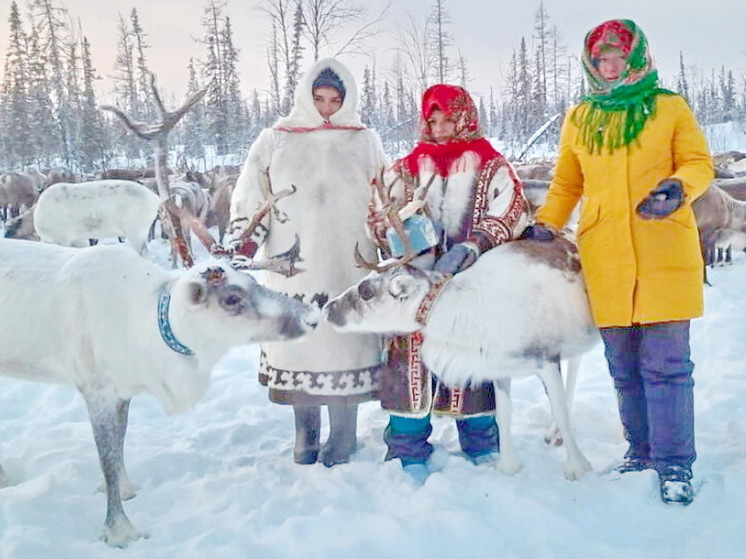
457,258
665,199
246,249
376,222
538,232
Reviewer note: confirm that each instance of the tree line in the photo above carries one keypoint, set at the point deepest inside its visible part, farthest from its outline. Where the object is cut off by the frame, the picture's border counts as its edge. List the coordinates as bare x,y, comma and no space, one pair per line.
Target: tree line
50,114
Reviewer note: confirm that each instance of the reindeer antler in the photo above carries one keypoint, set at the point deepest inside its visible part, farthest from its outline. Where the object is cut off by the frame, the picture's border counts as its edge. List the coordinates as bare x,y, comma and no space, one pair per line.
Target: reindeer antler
283,263
395,213
270,203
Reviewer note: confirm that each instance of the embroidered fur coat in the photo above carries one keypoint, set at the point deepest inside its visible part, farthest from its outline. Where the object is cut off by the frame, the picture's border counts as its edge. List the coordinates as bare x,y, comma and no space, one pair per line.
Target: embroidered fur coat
474,194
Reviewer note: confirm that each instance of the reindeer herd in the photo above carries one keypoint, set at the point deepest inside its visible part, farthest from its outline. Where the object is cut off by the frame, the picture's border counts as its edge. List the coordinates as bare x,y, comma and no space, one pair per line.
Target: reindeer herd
98,307
204,197
24,198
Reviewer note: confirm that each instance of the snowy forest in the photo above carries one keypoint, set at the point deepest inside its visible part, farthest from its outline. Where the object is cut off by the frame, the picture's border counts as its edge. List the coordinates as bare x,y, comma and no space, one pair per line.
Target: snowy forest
50,104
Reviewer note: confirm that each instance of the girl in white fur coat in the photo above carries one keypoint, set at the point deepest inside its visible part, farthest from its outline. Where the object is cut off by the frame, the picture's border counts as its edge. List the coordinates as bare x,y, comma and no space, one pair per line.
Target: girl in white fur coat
323,152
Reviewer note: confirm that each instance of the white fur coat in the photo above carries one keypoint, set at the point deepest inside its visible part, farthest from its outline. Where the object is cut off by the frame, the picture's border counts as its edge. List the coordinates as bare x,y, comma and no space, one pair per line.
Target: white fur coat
331,169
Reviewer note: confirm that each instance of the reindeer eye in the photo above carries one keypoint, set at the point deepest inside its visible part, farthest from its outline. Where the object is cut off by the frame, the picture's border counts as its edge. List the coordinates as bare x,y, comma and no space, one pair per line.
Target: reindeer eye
366,290
233,300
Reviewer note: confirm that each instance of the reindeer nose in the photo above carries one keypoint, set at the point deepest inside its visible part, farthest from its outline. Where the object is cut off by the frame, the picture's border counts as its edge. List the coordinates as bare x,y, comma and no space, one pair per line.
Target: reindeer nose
313,318
333,314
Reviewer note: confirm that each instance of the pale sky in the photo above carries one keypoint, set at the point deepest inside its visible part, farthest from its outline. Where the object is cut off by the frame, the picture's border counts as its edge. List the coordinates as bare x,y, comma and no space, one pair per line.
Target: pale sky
710,34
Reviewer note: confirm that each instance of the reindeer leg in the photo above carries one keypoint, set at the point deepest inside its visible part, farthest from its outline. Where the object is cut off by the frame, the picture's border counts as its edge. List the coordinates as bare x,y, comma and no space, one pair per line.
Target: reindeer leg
127,489
508,462
551,375
108,415
553,435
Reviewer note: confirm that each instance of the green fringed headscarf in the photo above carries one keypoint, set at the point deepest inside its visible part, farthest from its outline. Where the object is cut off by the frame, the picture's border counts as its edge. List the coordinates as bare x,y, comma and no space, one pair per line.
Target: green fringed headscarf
615,113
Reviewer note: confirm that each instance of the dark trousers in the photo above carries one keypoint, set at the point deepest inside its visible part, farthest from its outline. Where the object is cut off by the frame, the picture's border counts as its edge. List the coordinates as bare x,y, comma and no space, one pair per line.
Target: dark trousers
406,437
652,375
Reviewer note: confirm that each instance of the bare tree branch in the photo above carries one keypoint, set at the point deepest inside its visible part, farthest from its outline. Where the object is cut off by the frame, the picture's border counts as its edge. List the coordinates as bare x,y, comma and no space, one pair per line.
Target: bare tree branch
362,34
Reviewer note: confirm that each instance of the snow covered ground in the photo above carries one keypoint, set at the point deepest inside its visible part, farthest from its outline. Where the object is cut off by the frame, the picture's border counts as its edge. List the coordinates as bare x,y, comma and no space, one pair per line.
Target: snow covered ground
220,483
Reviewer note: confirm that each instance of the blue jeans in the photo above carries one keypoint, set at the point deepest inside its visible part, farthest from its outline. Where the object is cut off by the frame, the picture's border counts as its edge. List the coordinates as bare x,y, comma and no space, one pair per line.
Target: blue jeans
406,437
652,375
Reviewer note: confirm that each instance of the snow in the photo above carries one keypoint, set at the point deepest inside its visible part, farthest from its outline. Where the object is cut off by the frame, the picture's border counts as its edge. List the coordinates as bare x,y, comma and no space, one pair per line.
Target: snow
220,482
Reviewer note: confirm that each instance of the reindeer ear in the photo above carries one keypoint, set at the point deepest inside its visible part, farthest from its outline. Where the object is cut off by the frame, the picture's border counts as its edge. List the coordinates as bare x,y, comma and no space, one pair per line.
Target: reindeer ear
402,286
197,292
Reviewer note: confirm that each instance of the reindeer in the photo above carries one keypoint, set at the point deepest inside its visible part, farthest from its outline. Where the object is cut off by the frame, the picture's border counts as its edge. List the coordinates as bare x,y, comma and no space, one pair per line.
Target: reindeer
157,133
114,325
218,214
721,220
190,199
18,192
519,310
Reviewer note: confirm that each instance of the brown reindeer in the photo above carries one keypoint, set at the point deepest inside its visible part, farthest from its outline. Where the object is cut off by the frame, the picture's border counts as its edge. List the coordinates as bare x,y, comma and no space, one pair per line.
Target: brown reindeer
721,220
18,192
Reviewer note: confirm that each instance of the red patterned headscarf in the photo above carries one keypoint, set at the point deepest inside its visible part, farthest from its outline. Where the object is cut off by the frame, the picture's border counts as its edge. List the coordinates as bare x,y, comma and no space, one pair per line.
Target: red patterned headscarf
457,104
614,34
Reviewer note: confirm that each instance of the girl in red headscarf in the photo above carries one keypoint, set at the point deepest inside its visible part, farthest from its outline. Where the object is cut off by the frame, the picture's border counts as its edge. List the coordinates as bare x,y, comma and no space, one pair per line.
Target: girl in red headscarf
476,202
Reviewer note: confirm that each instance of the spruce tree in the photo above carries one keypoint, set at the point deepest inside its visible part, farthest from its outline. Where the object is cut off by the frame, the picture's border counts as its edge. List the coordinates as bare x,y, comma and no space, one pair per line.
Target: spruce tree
16,131
93,142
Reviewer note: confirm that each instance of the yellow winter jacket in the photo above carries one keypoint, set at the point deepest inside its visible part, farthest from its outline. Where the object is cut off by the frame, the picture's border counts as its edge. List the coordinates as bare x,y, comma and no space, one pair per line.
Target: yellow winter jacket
637,271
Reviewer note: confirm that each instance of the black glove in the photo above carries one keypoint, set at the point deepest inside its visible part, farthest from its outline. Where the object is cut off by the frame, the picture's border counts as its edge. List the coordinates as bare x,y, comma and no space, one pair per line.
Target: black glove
662,201
538,232
457,258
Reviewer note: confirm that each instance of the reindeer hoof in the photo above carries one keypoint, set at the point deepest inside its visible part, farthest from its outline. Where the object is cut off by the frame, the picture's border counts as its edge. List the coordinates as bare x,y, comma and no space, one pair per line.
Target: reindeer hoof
574,472
509,466
121,534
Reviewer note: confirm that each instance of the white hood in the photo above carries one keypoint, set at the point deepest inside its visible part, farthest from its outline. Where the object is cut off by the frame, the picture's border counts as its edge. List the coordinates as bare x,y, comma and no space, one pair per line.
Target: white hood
305,115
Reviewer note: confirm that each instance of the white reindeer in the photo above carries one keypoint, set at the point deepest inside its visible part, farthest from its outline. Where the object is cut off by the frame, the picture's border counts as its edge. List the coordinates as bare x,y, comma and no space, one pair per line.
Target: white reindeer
113,324
517,311
70,214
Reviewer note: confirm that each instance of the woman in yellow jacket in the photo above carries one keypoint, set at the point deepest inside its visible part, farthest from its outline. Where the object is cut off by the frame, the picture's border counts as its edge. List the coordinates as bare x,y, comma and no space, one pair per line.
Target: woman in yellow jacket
635,158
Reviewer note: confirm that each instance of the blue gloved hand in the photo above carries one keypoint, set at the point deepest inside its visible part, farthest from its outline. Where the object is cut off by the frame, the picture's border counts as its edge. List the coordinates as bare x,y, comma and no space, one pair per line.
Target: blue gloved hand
538,232
665,199
457,258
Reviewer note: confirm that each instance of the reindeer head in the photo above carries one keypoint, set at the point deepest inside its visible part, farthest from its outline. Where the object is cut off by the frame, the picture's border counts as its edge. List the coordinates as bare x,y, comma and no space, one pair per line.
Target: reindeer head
383,302
233,307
